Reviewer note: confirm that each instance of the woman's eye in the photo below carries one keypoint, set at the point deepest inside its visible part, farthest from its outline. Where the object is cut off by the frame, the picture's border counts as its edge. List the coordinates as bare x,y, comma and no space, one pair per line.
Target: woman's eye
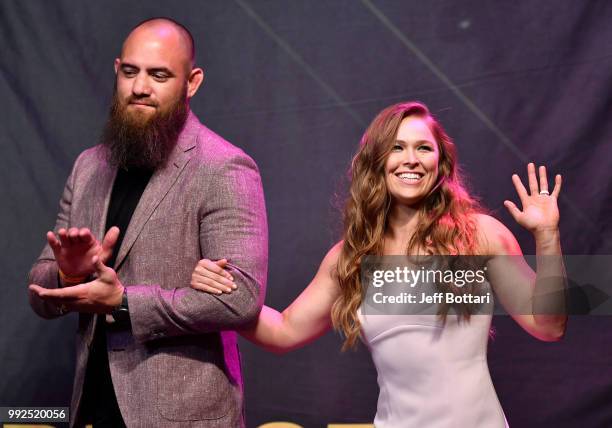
397,148
426,148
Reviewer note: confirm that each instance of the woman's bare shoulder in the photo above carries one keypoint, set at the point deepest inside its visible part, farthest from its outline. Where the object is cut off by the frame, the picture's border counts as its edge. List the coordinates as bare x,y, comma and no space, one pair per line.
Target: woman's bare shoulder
493,236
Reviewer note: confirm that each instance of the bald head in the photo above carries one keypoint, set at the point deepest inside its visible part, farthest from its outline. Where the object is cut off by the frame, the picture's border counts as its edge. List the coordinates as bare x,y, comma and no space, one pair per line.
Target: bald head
155,70
167,32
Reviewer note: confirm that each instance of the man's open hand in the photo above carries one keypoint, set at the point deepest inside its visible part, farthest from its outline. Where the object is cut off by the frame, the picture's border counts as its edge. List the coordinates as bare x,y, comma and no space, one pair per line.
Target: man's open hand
99,296
75,248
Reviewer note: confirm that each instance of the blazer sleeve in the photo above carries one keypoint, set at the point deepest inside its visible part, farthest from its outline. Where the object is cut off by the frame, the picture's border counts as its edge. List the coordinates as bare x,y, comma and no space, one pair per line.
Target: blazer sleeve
233,226
45,271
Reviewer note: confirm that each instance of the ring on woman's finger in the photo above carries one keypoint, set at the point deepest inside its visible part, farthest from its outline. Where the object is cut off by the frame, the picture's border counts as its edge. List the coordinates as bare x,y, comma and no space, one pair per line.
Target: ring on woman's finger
544,192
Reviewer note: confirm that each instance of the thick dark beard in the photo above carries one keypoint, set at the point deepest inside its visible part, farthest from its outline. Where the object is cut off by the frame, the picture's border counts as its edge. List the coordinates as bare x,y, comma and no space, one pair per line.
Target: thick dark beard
143,144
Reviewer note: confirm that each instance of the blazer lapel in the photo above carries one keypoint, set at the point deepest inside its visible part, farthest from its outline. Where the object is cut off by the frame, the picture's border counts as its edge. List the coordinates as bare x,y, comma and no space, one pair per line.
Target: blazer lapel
160,184
100,188
104,180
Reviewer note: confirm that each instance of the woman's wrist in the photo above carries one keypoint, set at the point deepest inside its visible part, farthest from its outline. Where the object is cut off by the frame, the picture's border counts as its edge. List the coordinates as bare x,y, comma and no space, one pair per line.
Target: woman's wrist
547,238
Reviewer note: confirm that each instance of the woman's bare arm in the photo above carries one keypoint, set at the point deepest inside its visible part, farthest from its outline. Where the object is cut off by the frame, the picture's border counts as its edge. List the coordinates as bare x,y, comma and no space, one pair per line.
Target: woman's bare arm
307,318
536,300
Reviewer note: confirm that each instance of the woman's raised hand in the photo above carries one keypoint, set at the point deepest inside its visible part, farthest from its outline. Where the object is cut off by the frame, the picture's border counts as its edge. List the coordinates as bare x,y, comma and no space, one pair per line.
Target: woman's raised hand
211,277
540,212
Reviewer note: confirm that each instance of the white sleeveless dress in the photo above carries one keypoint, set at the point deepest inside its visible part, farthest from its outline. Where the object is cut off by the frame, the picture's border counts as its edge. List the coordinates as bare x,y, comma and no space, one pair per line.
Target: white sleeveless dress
432,375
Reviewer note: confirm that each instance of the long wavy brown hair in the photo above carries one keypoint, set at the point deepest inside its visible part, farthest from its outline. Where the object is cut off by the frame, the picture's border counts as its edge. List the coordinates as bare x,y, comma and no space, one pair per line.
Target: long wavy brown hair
446,215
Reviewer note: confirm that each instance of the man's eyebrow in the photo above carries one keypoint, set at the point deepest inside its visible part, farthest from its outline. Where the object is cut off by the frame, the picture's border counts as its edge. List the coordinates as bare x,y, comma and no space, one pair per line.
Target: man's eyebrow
126,65
160,70
164,70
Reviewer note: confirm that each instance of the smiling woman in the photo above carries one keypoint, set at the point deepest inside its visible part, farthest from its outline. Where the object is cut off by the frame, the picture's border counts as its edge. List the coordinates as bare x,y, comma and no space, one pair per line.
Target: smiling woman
407,198
412,166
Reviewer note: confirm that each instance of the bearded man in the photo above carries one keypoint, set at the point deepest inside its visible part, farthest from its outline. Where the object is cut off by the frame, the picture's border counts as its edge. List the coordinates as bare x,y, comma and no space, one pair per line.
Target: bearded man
164,191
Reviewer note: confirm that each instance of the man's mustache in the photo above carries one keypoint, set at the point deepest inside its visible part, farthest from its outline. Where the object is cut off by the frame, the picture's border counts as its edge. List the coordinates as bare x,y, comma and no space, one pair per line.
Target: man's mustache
142,101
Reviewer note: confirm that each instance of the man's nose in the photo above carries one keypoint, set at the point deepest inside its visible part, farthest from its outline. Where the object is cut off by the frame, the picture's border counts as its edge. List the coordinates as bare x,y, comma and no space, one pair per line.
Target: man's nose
141,86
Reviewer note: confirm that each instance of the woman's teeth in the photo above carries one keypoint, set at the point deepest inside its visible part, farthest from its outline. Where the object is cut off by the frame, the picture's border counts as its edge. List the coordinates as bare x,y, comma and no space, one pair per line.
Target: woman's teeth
409,176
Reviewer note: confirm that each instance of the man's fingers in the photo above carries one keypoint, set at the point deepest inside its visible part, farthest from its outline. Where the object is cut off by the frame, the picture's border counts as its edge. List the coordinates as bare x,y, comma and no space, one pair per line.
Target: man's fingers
54,243
105,274
73,235
108,243
37,289
72,302
63,237
65,293
111,237
69,236
99,266
85,236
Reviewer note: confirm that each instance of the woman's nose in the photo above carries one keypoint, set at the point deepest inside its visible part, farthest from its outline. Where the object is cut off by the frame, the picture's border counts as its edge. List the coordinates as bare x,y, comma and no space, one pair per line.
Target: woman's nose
410,157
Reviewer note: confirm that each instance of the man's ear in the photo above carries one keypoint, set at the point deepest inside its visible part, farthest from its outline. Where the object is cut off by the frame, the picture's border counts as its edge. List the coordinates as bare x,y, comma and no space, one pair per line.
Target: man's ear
196,77
117,63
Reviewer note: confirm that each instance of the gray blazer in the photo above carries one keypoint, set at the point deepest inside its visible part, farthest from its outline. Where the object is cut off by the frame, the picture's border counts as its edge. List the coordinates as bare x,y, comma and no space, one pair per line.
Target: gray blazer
179,364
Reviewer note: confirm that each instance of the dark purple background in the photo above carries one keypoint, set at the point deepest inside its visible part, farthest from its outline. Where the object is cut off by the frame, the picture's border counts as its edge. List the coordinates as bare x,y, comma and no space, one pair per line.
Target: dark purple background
295,84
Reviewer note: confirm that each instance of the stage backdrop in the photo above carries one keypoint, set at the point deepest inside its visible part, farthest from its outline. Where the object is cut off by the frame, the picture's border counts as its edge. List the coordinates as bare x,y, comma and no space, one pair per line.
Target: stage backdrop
295,84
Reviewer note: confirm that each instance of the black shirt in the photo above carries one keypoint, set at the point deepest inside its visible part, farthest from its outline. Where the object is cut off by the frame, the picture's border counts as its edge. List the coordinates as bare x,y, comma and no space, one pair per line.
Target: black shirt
99,402
127,190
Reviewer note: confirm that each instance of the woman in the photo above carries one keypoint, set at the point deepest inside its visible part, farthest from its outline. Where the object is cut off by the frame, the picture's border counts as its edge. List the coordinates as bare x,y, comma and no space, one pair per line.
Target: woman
407,197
